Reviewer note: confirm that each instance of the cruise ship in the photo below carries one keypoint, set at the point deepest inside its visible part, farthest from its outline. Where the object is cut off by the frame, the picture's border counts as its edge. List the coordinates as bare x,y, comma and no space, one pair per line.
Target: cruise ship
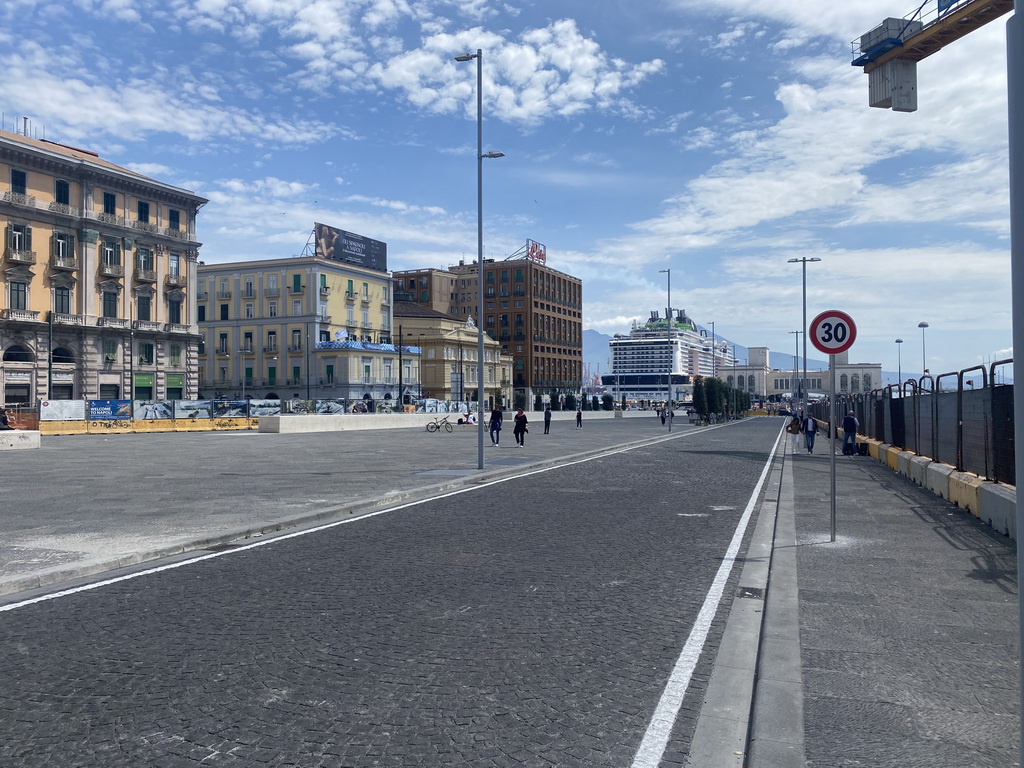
660,357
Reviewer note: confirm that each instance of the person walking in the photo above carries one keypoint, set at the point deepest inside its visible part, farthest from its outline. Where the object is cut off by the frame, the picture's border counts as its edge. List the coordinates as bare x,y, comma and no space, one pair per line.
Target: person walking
850,426
547,419
794,429
579,419
810,430
495,425
519,430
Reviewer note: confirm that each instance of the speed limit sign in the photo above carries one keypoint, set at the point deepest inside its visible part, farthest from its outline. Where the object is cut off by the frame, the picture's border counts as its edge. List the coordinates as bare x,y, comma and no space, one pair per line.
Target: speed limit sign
833,332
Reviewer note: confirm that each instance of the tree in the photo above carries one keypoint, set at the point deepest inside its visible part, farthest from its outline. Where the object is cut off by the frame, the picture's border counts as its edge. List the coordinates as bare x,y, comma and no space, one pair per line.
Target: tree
519,400
570,402
538,403
594,404
700,399
608,402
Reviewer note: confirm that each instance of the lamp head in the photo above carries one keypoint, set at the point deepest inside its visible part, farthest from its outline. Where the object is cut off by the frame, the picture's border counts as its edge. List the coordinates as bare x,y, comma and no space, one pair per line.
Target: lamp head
922,325
492,155
899,341
465,57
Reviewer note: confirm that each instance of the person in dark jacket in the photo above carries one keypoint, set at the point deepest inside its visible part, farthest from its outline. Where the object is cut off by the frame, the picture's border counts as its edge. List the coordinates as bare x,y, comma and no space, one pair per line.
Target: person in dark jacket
547,419
850,425
519,430
495,425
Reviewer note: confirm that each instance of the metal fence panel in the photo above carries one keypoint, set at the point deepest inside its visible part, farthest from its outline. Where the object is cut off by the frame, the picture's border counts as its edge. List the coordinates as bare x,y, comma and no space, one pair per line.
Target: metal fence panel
1003,461
975,431
947,428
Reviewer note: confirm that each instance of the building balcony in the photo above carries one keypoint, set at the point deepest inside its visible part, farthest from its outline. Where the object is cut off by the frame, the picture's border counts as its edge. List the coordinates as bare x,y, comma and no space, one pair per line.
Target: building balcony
366,324
325,290
111,218
295,347
175,281
177,328
148,325
112,270
272,291
64,208
145,275
19,256
223,294
365,299
296,289
271,349
112,322
19,314
20,199
223,351
62,319
177,234
325,319
144,226
64,262
350,295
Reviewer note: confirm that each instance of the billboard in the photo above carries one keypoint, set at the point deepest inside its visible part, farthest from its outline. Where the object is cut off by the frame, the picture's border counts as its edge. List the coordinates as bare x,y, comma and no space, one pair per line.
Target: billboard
339,245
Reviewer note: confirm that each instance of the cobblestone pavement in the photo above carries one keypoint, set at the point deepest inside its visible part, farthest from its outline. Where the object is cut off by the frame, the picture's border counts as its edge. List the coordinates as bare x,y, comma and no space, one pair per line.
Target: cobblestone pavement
531,621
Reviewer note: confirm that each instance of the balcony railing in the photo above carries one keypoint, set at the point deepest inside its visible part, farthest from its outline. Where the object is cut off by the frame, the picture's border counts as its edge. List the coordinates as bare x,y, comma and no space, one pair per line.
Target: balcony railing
19,314
325,290
177,234
112,322
20,199
148,325
271,349
144,226
177,328
62,319
223,294
112,270
175,280
64,208
145,275
350,295
325,319
112,218
272,291
295,347
64,262
18,256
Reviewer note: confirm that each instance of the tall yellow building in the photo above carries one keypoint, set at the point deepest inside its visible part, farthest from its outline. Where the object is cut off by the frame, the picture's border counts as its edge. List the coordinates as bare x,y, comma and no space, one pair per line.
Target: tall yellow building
98,261
307,327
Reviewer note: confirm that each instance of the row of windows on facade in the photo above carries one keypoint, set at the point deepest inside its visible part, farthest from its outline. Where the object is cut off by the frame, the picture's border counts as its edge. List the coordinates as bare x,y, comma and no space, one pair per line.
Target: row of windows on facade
271,287
62,196
249,313
145,353
62,246
846,383
18,298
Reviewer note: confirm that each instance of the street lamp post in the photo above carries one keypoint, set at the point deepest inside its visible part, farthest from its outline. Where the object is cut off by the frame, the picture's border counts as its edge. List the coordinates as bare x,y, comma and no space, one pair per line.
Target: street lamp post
479,231
796,360
803,371
924,364
671,354
899,362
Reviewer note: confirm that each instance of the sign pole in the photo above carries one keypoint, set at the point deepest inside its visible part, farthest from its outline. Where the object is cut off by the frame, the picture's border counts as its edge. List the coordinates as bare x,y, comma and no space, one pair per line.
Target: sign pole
832,332
832,434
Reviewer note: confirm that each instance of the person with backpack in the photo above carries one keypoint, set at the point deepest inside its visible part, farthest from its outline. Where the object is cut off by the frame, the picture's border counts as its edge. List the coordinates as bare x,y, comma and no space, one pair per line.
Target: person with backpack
810,430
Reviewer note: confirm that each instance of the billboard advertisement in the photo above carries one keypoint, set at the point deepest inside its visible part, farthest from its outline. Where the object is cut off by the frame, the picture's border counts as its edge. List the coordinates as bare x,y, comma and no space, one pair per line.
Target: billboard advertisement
339,245
110,409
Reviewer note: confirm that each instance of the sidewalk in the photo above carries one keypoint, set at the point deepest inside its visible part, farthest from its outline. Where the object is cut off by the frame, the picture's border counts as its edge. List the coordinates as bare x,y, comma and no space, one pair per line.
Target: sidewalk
906,652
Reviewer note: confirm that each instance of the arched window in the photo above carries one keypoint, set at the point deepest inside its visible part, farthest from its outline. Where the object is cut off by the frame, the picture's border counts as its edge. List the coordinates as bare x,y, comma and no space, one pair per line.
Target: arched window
844,383
63,355
867,382
751,383
18,354
855,383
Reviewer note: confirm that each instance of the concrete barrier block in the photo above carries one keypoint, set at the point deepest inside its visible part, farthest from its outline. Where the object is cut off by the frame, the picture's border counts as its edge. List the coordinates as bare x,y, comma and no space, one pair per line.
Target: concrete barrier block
937,479
998,504
19,439
918,468
964,489
903,459
889,457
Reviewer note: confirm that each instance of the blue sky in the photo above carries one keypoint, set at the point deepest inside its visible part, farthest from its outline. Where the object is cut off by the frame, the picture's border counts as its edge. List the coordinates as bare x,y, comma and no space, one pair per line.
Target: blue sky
717,138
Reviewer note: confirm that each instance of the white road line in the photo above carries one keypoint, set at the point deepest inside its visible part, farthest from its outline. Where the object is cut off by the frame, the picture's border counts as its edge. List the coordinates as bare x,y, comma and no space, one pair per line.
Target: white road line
324,527
652,747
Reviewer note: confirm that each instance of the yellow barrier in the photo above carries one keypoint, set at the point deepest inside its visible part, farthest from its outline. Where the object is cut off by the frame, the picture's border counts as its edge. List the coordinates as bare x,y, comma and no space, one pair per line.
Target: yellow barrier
965,491
125,426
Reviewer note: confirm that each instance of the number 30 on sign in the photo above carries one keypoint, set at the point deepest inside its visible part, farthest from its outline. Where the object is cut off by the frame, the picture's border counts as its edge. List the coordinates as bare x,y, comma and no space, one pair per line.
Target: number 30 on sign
833,332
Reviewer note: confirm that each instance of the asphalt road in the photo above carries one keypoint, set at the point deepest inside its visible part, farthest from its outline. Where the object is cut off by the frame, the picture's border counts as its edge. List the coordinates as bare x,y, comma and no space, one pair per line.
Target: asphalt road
528,620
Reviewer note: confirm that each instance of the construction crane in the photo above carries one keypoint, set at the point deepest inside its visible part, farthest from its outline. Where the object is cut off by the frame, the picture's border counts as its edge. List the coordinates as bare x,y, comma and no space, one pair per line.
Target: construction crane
889,53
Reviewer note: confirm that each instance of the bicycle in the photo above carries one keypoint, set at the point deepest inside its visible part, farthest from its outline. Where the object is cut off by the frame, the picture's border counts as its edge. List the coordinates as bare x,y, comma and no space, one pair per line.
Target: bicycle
439,422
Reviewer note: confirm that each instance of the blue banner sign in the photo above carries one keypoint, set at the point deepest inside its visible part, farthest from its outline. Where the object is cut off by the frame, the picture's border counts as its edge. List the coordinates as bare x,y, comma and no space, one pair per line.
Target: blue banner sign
110,409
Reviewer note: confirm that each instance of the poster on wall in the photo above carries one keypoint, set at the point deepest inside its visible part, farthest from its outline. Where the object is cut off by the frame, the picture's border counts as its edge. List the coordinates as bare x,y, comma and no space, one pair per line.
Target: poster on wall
339,245
62,410
153,409
192,409
110,409
264,407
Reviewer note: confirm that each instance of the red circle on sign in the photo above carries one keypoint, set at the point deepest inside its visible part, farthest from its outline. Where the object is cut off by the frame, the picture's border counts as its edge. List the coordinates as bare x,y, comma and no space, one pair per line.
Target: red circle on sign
833,332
